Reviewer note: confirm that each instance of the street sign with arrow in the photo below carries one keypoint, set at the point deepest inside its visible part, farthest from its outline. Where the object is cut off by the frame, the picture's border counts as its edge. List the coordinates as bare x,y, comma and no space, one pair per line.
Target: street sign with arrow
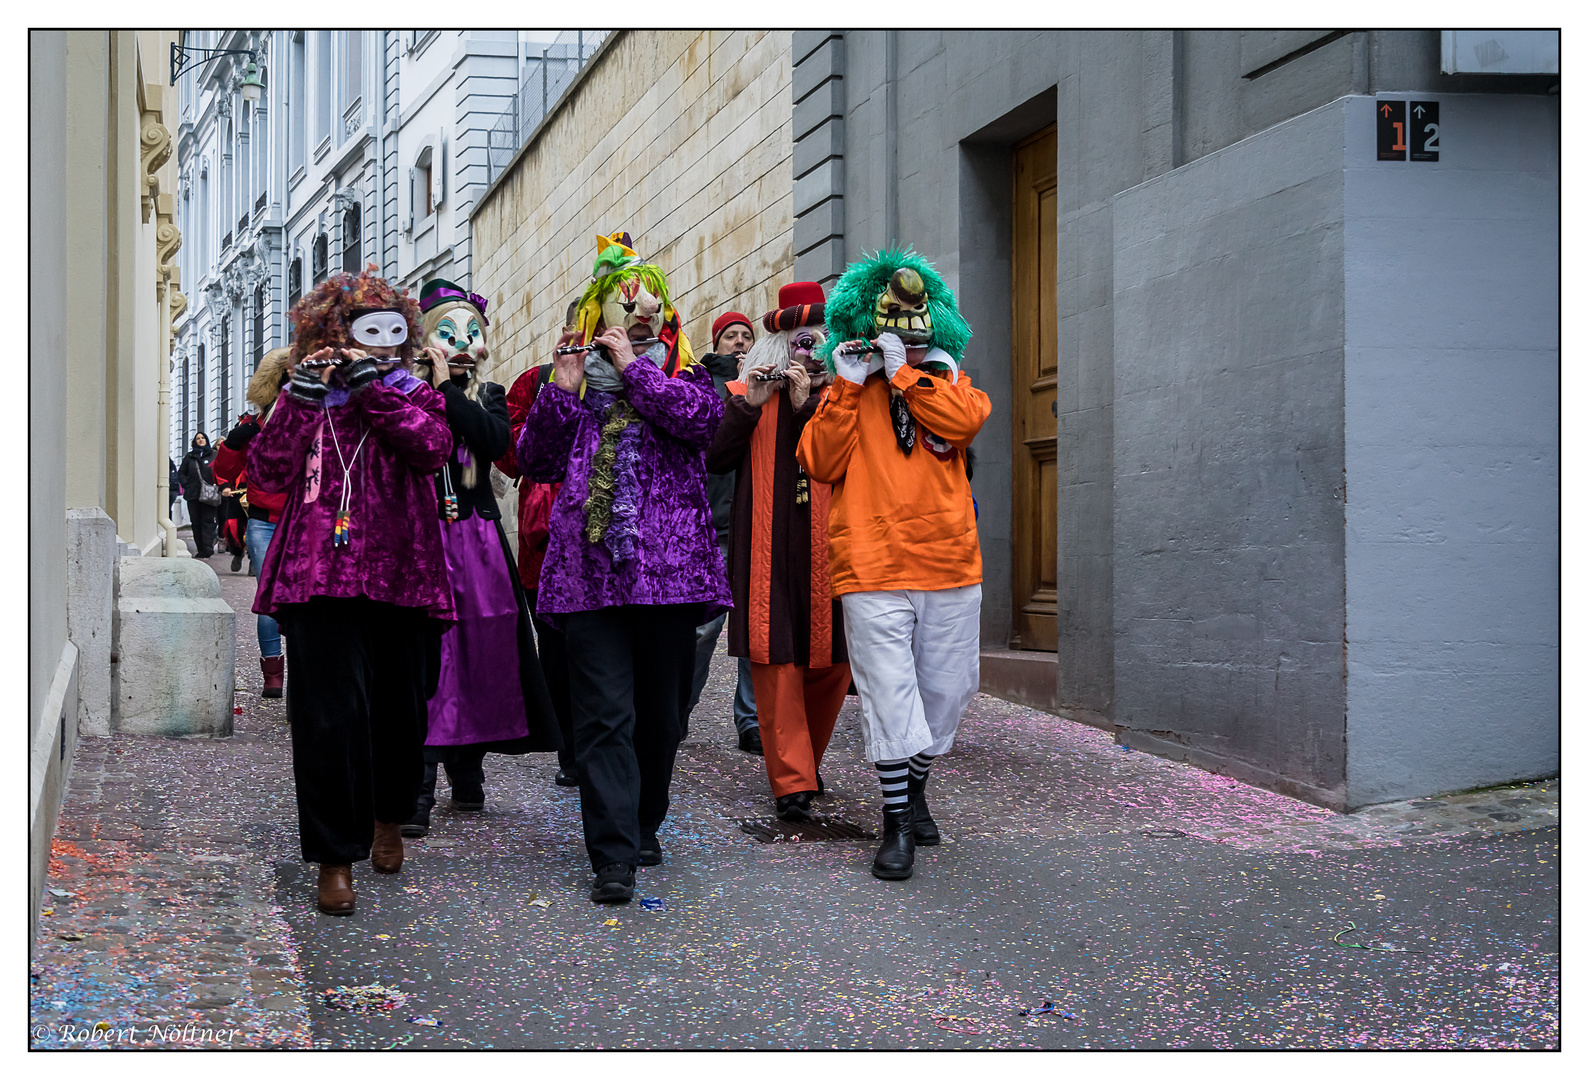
1423,135
1391,124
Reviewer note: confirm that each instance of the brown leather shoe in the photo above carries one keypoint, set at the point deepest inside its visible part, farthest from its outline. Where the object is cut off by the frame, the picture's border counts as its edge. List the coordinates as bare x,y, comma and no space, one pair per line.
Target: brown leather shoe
386,853
336,889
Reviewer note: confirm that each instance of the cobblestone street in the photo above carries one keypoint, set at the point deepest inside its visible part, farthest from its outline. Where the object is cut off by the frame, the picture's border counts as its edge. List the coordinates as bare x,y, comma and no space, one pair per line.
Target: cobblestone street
1153,904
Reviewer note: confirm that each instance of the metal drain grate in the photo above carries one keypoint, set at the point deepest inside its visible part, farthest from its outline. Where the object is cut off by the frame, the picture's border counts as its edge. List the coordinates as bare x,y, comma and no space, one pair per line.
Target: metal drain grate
779,831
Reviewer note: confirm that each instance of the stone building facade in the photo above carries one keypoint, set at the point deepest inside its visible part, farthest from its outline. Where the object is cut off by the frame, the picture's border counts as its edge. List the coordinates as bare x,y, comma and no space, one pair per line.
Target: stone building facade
104,285
681,138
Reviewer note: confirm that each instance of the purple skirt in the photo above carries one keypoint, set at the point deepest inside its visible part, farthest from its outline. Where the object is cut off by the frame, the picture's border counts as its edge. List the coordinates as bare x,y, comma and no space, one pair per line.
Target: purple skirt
480,696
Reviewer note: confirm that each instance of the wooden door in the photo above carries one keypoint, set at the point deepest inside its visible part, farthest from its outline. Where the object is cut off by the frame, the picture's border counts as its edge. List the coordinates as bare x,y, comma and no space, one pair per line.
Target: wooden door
1033,386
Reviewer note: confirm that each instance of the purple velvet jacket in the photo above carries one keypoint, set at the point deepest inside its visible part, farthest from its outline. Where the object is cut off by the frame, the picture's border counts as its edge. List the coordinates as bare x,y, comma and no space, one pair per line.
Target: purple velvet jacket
674,558
394,551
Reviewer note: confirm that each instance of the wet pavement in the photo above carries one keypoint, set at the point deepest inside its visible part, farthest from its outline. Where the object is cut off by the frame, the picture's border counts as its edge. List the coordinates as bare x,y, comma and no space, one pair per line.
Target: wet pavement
1085,896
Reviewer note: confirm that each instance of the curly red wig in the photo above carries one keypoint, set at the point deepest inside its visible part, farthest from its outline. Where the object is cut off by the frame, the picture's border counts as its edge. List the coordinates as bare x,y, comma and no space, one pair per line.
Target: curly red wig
322,317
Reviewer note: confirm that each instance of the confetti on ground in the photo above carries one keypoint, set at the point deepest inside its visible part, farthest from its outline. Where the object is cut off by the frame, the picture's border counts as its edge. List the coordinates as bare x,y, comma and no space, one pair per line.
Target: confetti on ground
372,997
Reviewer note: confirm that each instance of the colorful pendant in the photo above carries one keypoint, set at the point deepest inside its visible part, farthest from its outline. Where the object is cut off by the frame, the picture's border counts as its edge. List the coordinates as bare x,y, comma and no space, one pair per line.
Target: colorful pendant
449,504
339,535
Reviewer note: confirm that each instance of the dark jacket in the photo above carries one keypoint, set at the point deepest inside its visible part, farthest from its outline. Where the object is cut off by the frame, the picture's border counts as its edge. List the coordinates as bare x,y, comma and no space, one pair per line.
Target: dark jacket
784,608
196,470
481,427
720,486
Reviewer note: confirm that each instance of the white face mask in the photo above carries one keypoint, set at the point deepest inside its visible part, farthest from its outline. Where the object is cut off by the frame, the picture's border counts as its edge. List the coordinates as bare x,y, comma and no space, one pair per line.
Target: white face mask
380,328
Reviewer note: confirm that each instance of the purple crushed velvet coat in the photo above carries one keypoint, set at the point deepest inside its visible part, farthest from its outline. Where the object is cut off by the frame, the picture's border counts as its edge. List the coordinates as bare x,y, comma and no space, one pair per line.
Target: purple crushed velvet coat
394,551
676,559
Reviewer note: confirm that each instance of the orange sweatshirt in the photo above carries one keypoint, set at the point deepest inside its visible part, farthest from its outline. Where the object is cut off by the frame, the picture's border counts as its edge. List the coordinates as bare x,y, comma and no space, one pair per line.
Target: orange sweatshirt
897,521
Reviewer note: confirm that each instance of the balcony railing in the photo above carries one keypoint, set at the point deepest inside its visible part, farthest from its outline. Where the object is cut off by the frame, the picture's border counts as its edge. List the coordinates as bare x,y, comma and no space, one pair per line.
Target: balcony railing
545,78
226,241
242,224
259,203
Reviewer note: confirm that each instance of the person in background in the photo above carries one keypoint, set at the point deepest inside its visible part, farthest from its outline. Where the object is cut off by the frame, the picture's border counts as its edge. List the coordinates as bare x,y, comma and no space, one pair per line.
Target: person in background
193,475
174,488
785,619
535,509
732,338
264,507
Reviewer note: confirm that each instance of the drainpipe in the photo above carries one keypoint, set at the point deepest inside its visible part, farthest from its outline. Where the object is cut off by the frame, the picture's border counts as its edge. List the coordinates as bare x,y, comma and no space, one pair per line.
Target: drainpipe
174,547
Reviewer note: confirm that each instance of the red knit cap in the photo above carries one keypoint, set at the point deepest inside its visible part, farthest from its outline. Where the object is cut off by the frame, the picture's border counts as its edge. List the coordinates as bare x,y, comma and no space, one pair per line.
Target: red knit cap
727,319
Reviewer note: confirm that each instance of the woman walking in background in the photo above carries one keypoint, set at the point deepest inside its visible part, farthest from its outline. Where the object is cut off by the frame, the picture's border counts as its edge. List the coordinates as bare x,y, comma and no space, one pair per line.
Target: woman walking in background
194,475
264,507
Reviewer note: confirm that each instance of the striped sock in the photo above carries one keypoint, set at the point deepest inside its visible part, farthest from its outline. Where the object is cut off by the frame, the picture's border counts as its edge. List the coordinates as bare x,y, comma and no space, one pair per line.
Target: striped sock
919,764
895,776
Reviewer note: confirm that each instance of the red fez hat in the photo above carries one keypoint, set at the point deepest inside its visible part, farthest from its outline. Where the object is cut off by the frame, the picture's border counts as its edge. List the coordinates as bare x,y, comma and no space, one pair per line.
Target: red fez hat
727,319
799,304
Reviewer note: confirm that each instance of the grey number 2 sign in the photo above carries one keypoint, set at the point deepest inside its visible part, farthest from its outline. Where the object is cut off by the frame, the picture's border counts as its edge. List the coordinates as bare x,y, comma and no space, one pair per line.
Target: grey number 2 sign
1423,131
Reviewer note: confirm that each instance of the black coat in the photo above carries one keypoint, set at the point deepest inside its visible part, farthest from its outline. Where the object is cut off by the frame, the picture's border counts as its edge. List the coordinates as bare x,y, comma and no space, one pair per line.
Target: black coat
720,486
483,427
196,470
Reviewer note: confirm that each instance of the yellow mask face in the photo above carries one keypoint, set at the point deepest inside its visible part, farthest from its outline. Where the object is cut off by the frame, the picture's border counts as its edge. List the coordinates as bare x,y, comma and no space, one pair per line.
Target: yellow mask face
902,309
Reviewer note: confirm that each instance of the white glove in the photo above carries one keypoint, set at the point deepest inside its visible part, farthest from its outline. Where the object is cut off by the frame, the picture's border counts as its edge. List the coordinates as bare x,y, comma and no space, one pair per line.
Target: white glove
893,353
850,367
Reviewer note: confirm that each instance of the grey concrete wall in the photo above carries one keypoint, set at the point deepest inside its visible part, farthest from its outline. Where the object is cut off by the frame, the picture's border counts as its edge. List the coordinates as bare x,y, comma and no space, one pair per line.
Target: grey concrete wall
1452,452
1228,451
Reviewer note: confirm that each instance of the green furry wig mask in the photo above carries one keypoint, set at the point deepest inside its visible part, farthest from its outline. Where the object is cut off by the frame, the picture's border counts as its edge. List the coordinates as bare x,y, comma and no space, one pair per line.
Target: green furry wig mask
894,291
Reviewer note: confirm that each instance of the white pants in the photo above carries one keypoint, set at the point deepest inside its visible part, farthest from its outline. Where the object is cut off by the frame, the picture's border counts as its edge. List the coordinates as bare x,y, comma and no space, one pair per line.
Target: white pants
916,660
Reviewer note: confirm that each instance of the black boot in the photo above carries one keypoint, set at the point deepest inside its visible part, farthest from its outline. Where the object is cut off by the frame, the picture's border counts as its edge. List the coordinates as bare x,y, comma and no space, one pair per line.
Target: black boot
796,806
419,824
926,828
896,855
468,785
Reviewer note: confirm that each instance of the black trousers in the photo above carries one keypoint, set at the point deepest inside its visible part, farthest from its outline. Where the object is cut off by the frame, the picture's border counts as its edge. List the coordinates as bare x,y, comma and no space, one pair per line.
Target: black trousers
554,665
629,671
356,702
204,517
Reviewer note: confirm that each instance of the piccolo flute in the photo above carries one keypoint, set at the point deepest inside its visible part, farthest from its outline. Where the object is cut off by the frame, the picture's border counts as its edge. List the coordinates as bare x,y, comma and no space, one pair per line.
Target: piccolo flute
859,350
569,350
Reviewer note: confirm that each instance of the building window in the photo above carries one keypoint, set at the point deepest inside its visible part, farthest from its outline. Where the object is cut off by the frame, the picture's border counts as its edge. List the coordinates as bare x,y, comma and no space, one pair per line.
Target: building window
323,87
198,416
298,123
352,67
224,406
424,206
187,395
261,157
259,324
350,240
317,258
294,281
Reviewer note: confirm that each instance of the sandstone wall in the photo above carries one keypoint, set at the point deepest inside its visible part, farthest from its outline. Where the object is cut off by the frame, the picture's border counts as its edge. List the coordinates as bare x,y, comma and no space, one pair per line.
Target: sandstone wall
681,138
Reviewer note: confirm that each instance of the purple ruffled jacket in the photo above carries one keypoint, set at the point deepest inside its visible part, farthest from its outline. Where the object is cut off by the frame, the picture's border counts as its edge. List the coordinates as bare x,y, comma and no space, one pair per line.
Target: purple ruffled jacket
394,551
661,547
